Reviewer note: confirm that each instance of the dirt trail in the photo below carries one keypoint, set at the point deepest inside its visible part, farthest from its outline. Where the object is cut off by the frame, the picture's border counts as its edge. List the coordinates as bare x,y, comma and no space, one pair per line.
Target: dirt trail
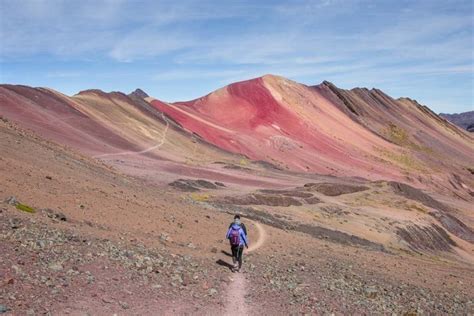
162,141
262,236
236,292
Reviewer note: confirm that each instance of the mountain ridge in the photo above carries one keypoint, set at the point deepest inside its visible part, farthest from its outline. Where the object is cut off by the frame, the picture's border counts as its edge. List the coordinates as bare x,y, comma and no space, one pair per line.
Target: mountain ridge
464,120
382,188
385,122
321,128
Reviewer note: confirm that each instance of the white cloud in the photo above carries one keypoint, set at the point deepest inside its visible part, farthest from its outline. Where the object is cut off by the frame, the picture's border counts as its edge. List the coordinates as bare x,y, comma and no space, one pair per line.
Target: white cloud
353,42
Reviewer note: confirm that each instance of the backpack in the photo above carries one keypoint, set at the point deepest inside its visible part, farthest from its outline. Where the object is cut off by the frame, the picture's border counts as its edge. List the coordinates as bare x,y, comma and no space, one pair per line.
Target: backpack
235,237
242,225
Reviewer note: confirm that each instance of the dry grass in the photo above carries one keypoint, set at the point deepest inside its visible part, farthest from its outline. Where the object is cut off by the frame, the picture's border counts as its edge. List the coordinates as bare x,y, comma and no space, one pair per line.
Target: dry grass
404,159
399,136
200,197
417,208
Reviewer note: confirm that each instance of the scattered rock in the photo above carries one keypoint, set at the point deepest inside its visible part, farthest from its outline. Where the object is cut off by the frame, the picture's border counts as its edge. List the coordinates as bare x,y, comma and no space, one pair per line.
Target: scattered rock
212,291
371,292
90,279
107,300
124,305
11,200
164,237
189,185
55,215
14,223
214,249
183,186
55,266
334,189
49,177
3,309
205,184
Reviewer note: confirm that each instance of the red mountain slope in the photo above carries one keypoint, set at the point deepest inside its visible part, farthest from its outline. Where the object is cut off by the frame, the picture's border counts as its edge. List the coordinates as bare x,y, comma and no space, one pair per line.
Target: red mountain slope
327,130
246,118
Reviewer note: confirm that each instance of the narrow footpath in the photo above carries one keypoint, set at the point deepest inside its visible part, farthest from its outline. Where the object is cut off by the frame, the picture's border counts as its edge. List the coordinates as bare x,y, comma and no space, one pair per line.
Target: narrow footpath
237,290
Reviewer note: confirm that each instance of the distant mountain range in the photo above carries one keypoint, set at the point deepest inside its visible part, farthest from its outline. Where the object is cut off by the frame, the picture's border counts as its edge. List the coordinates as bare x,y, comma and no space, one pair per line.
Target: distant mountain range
464,120
287,125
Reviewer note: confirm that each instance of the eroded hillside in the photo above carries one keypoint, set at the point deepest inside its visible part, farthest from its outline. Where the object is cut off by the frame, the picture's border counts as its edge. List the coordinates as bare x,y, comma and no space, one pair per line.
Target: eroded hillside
119,203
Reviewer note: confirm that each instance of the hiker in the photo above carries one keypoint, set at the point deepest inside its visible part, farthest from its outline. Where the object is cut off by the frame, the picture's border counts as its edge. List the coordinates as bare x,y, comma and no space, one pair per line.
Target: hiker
237,216
238,239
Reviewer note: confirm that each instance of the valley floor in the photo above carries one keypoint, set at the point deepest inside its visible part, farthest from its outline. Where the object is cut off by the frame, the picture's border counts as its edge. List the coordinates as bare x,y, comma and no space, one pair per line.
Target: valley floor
101,242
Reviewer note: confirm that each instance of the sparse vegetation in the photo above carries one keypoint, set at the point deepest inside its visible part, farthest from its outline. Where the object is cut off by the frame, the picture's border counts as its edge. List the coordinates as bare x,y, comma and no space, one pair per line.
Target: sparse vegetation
25,208
397,135
200,197
400,137
244,162
403,159
418,208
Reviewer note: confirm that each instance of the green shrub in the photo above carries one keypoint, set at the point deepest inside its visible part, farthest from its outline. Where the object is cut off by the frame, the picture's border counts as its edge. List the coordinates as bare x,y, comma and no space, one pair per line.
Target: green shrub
25,208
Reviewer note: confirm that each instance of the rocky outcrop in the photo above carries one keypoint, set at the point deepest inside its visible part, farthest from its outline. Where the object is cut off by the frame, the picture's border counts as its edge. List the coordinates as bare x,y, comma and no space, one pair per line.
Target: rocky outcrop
441,212
426,238
139,93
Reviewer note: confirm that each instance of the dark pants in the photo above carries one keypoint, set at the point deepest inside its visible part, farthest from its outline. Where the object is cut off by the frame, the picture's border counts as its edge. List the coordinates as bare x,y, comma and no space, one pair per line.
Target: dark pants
237,252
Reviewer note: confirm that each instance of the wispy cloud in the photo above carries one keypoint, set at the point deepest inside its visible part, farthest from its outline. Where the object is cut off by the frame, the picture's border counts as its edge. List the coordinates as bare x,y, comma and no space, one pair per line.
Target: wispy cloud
358,42
145,43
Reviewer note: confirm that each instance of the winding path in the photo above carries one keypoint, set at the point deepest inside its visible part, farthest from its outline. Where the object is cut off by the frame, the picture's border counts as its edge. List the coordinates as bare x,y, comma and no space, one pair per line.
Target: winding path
162,141
262,236
236,292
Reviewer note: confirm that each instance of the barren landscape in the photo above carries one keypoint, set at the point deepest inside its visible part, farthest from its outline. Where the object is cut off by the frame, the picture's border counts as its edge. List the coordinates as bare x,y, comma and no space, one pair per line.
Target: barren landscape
356,203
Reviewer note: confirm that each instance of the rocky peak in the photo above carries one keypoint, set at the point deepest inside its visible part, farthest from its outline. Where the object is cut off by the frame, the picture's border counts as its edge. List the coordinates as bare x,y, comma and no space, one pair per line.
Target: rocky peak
139,93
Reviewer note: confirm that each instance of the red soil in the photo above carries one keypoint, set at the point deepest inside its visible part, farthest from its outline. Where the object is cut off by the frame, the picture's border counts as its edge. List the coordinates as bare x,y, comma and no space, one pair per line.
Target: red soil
246,118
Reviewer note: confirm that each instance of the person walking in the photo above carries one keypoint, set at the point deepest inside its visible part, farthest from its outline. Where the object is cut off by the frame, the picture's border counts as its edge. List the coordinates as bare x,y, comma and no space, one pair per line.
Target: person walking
238,239
237,216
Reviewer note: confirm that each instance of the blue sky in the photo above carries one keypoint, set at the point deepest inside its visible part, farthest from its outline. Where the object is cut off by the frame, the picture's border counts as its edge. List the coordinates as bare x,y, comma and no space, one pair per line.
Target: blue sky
180,50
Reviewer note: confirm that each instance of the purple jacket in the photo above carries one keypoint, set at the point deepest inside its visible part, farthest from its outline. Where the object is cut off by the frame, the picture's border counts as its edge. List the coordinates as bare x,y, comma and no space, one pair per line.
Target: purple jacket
243,237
